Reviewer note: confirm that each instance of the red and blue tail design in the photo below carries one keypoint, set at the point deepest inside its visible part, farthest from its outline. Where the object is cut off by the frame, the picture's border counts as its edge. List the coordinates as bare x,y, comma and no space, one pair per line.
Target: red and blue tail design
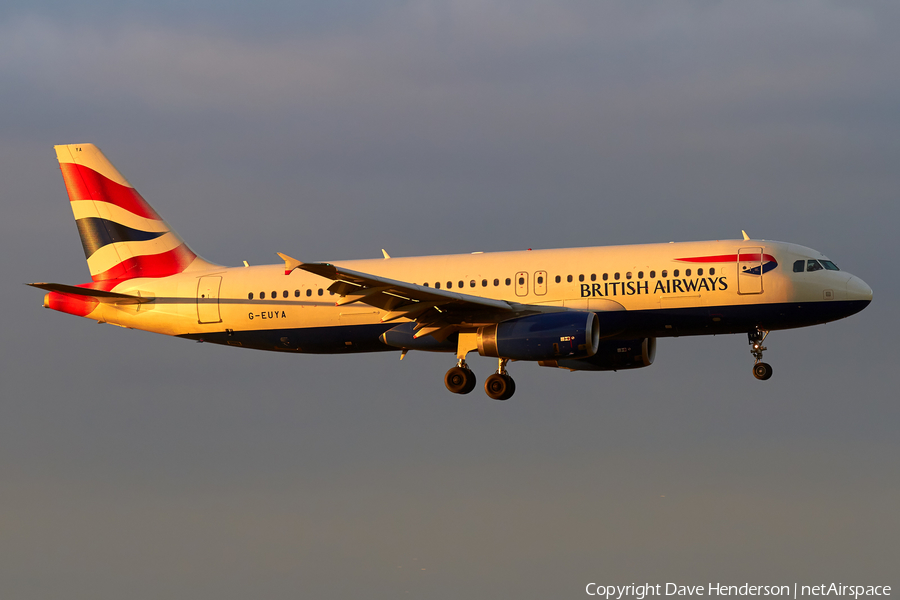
123,237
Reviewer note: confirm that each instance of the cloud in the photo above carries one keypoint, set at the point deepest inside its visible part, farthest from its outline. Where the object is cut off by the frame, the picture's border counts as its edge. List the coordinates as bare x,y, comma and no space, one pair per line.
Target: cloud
689,57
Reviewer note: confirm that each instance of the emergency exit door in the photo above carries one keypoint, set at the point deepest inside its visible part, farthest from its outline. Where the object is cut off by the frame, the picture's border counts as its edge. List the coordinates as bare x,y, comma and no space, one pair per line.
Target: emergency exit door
521,283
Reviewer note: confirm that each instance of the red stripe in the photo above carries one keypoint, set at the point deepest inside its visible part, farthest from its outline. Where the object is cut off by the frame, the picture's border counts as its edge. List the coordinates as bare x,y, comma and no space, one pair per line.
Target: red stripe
168,263
83,183
726,258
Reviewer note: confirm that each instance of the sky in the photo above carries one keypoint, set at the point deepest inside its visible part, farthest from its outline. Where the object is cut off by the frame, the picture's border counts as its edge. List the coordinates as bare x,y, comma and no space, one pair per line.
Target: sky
141,466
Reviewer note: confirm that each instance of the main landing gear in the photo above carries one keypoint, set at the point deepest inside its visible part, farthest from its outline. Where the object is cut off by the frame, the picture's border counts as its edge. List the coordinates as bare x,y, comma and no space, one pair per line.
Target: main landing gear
761,370
460,379
499,386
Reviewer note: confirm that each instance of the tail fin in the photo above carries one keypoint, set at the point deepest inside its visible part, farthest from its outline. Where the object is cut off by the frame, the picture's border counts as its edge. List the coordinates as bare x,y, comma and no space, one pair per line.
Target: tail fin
123,237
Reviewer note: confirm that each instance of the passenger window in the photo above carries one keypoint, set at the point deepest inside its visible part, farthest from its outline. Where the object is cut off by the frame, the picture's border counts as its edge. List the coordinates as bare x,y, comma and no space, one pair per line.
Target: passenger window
712,270
581,278
508,281
593,277
321,291
437,285
250,296
665,273
496,282
652,274
699,271
461,285
799,266
829,265
472,283
521,281
628,275
274,295
425,284
296,293
558,279
284,294
484,283
540,280
605,276
449,285
308,292
616,276
640,274
813,265
687,273
675,274
569,279
262,295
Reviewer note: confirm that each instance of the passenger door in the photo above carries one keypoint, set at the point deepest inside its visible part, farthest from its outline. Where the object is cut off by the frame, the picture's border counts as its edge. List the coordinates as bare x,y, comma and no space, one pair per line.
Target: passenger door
208,299
749,267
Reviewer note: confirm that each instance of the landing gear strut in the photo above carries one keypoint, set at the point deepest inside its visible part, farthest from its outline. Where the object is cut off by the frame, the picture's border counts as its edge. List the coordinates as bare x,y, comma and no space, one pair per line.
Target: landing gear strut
500,386
756,337
460,379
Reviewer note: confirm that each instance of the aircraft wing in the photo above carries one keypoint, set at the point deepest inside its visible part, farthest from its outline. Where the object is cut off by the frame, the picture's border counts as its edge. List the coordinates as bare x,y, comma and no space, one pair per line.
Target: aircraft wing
437,312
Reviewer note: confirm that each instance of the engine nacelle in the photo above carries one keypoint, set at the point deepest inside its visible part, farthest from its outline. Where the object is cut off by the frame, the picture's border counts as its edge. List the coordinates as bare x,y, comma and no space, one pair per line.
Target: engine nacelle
612,355
561,335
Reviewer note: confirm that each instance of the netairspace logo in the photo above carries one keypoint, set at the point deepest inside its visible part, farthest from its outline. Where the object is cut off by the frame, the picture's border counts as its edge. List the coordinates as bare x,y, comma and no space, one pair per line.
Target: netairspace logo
642,591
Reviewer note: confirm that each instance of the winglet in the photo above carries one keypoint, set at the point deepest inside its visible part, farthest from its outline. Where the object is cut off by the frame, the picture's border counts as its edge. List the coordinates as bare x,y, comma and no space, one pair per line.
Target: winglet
386,255
289,263
744,233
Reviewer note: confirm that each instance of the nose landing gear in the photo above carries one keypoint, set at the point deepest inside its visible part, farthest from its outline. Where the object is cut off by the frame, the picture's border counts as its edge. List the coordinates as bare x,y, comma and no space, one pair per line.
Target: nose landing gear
460,379
761,370
500,386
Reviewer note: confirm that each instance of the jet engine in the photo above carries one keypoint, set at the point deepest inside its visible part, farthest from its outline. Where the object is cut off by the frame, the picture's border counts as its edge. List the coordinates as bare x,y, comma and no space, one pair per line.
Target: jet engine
571,334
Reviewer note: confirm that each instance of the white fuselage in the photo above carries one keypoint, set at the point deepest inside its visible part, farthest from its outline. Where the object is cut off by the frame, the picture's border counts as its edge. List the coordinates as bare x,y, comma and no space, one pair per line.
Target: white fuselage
684,288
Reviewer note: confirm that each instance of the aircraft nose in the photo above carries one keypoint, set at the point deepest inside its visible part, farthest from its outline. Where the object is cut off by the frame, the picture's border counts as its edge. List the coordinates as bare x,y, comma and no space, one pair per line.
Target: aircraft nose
857,289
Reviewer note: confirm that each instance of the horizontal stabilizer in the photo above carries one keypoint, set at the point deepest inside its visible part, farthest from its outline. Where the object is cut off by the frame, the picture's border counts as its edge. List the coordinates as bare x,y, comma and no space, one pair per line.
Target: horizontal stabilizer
99,295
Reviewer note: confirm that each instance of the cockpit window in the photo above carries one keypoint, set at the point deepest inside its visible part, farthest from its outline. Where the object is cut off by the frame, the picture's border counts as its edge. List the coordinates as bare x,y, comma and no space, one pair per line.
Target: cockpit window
799,266
829,265
813,265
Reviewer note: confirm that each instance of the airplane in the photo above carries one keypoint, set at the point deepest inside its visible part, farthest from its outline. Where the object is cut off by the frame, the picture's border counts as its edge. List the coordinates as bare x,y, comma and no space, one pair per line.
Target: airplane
582,309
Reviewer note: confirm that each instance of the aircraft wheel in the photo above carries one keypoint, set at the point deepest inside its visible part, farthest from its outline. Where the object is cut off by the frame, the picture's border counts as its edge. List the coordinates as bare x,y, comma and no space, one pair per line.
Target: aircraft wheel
762,371
500,387
459,380
471,382
512,388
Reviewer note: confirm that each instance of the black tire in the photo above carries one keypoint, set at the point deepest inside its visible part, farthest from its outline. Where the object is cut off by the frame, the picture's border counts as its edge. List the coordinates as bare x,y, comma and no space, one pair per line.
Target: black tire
510,389
762,371
459,380
498,386
471,382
